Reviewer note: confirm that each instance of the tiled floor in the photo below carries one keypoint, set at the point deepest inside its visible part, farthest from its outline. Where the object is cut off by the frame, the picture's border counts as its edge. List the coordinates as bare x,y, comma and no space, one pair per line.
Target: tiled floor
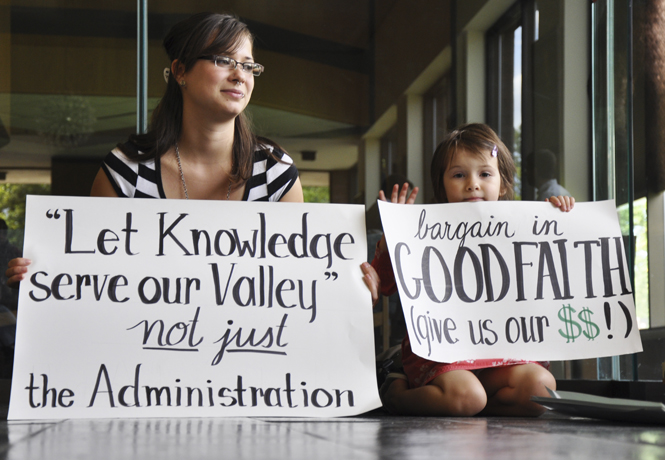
372,436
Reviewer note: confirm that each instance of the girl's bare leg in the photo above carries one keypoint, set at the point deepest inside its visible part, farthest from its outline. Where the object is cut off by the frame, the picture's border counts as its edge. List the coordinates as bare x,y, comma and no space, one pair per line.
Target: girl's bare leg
509,389
455,393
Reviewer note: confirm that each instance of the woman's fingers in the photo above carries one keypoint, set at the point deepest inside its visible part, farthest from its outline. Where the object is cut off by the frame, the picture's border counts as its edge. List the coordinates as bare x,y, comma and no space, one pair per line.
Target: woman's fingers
16,271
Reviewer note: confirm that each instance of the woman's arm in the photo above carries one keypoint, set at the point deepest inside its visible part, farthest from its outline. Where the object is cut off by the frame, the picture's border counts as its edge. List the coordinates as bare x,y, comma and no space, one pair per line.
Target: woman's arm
17,269
102,186
294,195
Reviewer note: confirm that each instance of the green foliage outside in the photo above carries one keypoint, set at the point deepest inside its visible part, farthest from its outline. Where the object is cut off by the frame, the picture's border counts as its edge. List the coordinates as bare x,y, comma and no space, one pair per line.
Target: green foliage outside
316,194
12,207
641,245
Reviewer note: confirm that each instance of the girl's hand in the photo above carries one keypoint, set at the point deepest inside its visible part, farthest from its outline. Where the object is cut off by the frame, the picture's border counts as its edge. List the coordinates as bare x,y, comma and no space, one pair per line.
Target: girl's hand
17,271
372,280
565,203
399,196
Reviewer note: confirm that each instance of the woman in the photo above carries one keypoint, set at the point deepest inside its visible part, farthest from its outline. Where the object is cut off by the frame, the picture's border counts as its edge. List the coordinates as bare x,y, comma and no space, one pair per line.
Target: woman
200,145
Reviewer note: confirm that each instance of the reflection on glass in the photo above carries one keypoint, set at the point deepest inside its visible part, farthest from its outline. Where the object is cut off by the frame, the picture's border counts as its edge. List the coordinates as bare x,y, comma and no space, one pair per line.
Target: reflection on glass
641,256
65,121
191,438
517,109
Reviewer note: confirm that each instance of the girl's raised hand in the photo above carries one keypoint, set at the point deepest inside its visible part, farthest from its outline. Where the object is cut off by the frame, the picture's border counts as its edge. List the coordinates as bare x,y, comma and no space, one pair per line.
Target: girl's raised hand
399,196
565,203
370,277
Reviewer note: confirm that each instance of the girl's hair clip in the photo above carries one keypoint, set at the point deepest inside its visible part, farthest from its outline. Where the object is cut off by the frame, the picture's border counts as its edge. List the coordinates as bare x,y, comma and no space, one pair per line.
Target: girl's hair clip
167,72
495,151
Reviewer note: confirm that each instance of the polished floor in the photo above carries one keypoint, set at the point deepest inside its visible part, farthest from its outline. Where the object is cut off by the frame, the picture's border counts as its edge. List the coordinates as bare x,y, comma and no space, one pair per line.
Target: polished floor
372,436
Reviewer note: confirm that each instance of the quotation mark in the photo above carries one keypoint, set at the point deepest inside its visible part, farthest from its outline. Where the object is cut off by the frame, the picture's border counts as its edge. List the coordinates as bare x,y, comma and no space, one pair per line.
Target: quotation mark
329,274
54,215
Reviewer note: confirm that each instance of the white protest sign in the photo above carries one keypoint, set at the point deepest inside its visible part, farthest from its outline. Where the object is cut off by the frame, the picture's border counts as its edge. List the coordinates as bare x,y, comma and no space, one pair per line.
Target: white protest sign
518,280
173,308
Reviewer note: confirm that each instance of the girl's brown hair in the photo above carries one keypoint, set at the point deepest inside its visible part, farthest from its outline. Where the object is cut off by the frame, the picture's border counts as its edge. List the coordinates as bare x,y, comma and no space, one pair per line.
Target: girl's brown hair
478,139
199,35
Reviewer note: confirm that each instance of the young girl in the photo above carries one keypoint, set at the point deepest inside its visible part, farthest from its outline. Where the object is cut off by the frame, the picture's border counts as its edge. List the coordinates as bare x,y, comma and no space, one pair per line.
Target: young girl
470,165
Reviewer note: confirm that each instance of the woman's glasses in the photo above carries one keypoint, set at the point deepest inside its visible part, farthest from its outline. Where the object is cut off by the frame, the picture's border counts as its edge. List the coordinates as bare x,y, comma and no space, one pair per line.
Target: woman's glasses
229,63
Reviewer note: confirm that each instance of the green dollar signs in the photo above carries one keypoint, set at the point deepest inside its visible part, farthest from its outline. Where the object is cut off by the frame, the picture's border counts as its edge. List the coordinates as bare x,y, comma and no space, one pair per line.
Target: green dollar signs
592,330
573,328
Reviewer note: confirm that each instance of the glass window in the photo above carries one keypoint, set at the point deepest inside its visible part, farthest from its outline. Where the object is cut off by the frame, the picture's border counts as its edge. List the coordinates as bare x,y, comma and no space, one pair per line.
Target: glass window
315,186
524,98
437,122
525,72
628,149
67,94
504,72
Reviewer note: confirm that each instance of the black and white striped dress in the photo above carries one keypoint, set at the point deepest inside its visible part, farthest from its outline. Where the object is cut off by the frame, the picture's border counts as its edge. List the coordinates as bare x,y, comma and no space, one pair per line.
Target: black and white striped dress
270,181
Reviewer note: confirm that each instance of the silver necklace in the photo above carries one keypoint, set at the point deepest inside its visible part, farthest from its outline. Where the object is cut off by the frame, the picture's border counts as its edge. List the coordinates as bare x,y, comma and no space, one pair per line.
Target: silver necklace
182,176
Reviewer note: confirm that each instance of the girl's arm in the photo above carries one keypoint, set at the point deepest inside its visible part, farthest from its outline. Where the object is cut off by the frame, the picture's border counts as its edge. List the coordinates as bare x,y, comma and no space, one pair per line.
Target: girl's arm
398,196
565,203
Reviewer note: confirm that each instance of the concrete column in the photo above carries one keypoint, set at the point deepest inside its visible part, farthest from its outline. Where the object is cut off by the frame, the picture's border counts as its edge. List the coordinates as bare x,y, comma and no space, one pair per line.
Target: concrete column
576,111
372,169
410,137
471,77
656,235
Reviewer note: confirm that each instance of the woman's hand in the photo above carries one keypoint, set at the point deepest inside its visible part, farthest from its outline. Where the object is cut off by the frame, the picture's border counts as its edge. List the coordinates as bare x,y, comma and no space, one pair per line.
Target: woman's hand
17,271
565,203
372,280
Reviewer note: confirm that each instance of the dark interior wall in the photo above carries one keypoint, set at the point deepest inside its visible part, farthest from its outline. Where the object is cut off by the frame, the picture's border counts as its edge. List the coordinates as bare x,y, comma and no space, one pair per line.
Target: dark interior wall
344,186
312,88
548,68
650,361
408,39
73,176
92,52
654,93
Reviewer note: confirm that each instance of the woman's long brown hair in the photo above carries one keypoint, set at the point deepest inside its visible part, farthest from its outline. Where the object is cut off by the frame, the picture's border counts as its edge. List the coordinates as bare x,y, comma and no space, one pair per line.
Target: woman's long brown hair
199,35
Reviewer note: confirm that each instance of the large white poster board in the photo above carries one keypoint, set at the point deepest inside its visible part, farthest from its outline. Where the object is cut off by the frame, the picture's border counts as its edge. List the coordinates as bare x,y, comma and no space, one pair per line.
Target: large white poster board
516,280
156,308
